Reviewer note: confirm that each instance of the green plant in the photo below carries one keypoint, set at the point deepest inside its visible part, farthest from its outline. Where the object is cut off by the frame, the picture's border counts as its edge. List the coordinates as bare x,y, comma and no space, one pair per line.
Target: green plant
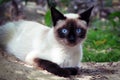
114,20
48,20
102,44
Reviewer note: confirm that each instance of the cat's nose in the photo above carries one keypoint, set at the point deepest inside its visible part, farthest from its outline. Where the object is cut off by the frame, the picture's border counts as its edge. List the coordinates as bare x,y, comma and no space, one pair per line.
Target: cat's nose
72,39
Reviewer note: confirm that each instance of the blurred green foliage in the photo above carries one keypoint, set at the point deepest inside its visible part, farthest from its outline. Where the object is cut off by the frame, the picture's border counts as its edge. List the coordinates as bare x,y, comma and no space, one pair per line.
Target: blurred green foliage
114,20
3,1
102,43
48,20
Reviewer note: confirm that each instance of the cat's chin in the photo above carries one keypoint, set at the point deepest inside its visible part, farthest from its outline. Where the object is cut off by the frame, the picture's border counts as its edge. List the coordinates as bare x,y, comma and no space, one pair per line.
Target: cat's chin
68,44
72,45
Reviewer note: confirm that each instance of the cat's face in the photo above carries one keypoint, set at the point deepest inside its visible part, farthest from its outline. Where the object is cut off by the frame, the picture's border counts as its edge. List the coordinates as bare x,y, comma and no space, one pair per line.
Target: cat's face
70,32
70,29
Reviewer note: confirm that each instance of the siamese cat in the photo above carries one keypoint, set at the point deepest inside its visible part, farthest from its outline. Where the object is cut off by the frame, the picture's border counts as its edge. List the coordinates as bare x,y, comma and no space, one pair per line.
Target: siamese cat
57,50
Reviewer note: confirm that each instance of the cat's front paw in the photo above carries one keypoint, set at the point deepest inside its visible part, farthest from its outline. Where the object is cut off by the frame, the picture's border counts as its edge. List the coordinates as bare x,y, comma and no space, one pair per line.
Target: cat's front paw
61,72
73,71
67,72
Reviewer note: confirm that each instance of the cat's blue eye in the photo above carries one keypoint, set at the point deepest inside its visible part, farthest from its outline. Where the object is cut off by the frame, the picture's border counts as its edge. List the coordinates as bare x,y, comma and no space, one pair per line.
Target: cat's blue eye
64,31
78,30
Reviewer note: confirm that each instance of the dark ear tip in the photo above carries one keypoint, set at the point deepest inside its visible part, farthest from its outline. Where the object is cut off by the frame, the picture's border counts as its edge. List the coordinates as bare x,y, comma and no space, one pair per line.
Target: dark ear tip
86,14
91,8
56,15
52,8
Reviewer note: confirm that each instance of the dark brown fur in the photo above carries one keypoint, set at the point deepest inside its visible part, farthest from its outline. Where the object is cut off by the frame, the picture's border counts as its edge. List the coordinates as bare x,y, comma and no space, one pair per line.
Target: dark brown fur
54,68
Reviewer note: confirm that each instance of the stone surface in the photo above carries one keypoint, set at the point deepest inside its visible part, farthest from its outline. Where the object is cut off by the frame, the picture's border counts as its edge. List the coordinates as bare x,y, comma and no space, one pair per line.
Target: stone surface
13,69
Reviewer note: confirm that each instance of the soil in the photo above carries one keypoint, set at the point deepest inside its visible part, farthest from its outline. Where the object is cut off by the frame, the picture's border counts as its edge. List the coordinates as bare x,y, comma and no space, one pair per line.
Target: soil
13,69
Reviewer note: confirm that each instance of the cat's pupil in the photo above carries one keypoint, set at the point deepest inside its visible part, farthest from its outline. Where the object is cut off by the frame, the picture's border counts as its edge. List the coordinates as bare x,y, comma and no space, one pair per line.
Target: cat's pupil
64,31
78,30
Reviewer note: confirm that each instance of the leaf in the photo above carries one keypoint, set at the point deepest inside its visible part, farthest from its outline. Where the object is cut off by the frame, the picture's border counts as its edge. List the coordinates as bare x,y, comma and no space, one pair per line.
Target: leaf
114,14
48,20
100,42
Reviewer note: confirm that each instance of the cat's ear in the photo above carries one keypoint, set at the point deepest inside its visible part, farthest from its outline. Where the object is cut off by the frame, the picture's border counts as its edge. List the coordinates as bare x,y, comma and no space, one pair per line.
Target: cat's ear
56,16
86,14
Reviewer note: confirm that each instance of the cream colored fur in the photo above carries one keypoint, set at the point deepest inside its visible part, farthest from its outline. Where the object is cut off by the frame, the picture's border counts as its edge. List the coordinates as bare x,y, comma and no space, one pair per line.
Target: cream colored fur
28,40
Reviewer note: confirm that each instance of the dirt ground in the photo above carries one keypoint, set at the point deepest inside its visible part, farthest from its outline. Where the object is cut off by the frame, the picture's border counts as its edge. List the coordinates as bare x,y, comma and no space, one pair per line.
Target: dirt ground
13,69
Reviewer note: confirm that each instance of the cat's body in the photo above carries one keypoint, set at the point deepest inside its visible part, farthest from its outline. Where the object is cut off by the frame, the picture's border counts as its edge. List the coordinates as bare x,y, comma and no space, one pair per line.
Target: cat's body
57,49
28,38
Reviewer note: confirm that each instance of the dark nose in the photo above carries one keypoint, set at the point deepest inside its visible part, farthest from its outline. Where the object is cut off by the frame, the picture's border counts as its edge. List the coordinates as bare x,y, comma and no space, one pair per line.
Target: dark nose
71,39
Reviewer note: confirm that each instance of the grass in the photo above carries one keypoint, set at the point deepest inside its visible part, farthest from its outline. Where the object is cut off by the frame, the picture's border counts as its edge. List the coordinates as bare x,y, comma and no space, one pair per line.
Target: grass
102,43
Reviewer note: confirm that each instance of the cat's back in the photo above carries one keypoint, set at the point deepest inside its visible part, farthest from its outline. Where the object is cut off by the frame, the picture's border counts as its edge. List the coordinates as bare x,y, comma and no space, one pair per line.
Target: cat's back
19,36
21,25
16,28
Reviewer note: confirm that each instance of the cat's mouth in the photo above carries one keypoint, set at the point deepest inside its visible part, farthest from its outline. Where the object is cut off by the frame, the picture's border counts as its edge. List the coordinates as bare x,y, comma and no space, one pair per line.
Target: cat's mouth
70,43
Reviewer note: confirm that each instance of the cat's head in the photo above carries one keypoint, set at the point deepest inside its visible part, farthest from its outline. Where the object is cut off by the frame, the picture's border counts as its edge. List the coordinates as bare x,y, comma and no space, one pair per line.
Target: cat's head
70,29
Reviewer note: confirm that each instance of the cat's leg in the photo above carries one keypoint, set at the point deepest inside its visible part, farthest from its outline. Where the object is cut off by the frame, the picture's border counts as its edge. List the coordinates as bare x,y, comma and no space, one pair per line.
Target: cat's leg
52,67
